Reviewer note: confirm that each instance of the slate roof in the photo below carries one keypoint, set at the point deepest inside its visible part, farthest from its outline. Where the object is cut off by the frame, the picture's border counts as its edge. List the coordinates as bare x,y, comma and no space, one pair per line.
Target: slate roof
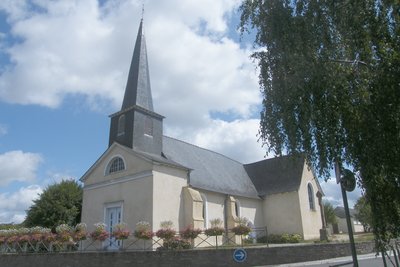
276,175
210,170
138,90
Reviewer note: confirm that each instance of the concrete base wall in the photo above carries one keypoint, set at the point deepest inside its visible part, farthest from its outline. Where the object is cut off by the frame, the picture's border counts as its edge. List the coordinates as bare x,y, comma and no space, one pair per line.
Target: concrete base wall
200,257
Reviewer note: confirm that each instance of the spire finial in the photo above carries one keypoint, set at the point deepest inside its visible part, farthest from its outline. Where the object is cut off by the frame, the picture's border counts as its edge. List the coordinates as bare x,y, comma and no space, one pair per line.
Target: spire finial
142,9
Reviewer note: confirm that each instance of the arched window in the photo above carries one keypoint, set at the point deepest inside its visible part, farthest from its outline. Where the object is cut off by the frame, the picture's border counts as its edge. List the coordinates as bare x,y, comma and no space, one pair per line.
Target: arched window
121,125
115,165
311,201
237,208
205,210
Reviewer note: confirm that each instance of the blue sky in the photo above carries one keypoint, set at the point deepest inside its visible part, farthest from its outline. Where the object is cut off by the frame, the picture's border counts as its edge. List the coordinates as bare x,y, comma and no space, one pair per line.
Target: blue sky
63,69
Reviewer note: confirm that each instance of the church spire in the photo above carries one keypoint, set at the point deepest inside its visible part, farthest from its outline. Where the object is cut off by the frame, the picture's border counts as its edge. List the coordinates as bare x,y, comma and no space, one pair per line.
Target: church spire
138,90
137,125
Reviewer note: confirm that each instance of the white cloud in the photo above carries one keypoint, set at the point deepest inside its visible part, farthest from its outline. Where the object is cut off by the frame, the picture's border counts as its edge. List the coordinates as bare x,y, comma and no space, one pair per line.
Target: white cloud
236,139
16,9
77,47
14,205
81,48
18,166
333,193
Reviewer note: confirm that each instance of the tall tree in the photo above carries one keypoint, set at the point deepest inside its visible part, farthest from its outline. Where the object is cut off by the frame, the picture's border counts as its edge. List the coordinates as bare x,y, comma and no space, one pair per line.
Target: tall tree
329,212
58,204
363,213
330,79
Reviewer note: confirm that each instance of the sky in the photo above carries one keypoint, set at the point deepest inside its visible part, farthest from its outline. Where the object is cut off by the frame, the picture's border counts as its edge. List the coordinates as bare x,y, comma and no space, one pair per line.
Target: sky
64,67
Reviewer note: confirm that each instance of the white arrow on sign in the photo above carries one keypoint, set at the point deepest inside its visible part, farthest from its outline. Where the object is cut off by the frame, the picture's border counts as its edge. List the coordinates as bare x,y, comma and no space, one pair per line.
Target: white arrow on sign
240,255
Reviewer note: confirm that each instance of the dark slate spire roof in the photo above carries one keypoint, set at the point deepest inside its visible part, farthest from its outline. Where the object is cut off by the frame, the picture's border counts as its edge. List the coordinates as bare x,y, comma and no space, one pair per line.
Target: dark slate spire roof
210,170
138,91
276,175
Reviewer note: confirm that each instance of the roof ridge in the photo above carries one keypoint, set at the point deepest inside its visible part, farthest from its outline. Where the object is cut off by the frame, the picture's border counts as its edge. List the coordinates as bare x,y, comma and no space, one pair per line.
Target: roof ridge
276,158
207,149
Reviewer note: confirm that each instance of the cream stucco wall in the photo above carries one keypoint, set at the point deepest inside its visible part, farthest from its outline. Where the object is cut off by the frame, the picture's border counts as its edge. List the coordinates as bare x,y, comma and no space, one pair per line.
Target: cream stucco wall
146,191
131,189
342,225
252,209
311,218
135,197
168,197
215,205
282,213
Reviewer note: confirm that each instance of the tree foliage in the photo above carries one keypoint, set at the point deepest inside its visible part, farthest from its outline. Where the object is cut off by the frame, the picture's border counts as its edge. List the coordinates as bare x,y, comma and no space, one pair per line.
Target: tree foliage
363,213
329,212
330,79
58,204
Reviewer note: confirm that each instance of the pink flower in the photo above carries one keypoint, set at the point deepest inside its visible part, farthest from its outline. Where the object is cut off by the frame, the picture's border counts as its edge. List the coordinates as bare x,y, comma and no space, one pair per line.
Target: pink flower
166,233
121,234
143,234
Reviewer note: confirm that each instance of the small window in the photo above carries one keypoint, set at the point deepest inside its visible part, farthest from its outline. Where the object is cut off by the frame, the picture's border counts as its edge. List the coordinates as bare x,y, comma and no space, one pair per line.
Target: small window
205,211
115,165
311,197
148,126
237,208
121,125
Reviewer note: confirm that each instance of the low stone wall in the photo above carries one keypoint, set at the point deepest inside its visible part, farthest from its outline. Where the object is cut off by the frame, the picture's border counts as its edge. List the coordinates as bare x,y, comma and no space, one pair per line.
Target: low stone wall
197,257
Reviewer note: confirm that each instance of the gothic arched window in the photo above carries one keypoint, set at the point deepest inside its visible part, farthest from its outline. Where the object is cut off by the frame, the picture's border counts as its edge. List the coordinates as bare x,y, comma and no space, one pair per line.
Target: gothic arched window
237,208
311,201
205,210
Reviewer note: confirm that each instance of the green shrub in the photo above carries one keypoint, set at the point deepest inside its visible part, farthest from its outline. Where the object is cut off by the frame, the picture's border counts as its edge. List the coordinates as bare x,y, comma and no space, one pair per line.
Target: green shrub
296,238
262,239
175,243
280,239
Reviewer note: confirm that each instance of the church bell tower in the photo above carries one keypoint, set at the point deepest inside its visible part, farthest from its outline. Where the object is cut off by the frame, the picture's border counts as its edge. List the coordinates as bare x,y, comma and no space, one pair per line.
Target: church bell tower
136,125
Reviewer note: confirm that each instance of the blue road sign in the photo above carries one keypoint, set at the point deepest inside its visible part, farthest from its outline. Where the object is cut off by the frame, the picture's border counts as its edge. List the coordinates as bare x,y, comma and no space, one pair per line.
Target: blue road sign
239,255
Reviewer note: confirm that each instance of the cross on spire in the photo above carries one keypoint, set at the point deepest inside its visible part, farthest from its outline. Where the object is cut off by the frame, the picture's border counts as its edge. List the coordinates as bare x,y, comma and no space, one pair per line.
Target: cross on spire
142,9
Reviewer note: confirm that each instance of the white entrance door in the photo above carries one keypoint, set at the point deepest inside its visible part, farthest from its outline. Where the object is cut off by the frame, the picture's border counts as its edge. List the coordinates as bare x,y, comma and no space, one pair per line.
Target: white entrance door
113,217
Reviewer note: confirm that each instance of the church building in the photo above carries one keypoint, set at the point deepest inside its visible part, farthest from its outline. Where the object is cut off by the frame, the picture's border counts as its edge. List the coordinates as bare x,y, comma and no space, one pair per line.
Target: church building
146,176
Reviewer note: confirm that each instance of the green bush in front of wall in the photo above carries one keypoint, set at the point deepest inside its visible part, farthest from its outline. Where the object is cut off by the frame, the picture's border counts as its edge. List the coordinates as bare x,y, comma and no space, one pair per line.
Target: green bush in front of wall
280,238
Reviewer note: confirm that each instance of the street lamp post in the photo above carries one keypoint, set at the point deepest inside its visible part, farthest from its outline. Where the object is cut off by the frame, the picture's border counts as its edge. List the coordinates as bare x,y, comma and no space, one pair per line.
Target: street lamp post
347,182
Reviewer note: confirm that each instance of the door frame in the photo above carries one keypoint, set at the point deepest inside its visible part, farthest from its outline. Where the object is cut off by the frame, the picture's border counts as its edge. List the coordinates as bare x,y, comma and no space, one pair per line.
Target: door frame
111,205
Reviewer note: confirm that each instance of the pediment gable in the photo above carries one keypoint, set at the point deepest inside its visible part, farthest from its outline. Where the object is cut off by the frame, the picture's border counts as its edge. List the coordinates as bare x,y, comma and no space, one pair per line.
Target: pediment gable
133,162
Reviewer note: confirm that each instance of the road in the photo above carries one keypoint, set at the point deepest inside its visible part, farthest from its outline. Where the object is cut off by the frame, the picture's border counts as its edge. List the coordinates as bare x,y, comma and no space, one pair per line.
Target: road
369,260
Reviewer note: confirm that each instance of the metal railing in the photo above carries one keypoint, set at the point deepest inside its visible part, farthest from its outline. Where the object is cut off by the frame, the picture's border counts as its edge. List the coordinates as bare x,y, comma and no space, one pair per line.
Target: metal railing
202,241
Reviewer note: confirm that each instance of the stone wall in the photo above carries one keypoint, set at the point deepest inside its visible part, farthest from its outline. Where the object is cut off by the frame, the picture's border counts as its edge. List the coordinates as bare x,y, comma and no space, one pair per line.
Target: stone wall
198,257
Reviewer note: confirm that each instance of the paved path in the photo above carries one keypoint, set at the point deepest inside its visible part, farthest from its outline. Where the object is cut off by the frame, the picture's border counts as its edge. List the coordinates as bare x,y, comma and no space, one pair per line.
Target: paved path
368,260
